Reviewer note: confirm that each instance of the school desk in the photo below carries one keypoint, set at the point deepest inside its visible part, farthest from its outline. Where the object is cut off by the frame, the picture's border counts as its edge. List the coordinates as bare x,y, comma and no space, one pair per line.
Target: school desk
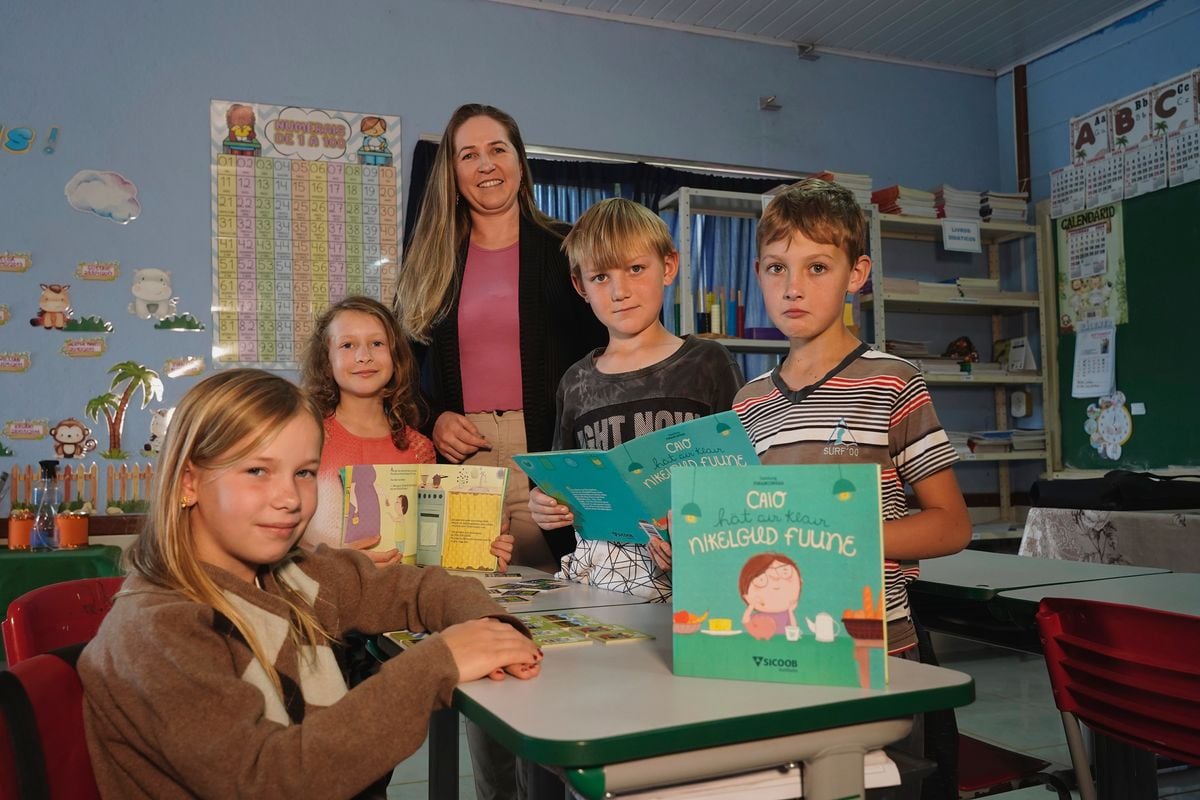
23,570
1169,591
443,725
1122,771
957,594
613,718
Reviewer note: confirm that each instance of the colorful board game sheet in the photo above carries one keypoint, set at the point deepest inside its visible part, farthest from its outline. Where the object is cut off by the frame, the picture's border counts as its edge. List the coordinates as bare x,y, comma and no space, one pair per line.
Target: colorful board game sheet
304,213
552,630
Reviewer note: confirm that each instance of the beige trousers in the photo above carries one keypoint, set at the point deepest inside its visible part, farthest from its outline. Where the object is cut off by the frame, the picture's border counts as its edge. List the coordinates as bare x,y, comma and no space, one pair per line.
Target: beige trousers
506,431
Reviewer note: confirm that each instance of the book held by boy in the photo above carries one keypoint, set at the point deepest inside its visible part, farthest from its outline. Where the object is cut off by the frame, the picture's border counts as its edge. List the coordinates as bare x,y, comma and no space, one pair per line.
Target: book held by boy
435,514
623,494
778,574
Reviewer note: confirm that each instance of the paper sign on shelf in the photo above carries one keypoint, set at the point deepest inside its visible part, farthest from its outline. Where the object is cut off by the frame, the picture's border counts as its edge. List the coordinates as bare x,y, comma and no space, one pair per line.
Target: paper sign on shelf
961,235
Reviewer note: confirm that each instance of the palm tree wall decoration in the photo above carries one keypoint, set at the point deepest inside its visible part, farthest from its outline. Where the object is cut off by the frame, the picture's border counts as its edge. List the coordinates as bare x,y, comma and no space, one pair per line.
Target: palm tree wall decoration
135,377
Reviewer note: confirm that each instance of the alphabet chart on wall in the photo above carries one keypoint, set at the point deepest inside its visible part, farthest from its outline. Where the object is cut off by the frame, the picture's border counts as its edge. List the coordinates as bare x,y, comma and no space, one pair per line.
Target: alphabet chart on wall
304,213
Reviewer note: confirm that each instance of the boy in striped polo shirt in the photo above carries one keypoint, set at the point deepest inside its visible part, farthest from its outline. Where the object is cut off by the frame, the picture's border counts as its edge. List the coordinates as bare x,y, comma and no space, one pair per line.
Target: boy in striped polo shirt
833,400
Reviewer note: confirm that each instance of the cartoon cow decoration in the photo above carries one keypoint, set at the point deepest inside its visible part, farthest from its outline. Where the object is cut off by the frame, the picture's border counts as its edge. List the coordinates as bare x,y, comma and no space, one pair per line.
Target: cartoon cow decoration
54,306
152,294
72,439
160,419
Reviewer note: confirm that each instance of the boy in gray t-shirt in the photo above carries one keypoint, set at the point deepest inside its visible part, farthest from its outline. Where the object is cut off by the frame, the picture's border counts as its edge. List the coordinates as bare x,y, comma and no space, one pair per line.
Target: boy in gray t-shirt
622,258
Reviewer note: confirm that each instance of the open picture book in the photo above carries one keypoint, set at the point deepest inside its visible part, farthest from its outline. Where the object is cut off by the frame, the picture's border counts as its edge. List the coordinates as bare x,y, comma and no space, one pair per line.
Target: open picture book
434,514
624,494
777,574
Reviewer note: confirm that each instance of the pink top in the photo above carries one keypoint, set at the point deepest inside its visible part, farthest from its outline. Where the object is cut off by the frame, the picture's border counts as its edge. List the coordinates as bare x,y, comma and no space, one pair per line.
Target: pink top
342,449
489,330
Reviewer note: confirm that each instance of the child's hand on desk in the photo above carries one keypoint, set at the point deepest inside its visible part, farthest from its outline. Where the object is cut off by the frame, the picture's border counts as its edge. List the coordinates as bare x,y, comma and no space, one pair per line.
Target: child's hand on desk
547,512
490,647
660,551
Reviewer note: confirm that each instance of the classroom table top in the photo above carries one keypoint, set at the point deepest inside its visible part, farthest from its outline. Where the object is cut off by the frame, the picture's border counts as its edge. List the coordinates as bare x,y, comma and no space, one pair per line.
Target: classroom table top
1171,591
980,576
600,704
573,595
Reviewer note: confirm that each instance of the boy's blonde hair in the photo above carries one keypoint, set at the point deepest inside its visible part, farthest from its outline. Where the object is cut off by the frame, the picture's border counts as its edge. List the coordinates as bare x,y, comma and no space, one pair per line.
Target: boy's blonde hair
221,419
824,212
608,231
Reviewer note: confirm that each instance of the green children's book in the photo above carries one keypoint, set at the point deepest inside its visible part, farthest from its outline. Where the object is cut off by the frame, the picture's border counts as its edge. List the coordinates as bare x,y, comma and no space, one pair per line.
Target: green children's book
778,574
623,494
435,514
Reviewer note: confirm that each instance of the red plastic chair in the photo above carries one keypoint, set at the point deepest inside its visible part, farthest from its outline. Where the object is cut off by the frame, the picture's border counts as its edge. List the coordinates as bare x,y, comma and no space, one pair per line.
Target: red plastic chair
1129,673
42,701
985,769
57,615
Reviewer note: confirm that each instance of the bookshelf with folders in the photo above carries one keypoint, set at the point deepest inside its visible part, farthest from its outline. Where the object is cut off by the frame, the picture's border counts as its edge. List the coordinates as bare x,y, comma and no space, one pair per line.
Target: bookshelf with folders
999,289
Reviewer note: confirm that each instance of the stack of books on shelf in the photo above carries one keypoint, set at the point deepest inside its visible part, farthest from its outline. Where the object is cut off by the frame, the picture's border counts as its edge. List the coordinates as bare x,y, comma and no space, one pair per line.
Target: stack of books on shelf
1004,206
955,203
982,443
855,182
903,200
906,348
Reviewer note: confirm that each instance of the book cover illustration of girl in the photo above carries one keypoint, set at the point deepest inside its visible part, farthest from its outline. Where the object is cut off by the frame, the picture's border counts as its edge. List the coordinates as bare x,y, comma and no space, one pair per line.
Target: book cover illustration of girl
770,585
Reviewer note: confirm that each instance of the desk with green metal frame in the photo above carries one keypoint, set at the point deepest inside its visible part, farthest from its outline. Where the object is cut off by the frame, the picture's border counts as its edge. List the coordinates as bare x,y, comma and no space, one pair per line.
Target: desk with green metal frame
958,594
613,718
443,725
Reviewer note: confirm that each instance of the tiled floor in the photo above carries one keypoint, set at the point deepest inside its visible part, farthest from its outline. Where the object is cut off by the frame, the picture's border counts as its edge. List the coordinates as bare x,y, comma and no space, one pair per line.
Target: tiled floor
1013,708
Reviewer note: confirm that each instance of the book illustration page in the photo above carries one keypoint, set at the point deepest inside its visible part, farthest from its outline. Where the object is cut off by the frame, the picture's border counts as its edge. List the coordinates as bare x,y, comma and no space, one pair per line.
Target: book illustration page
778,574
362,513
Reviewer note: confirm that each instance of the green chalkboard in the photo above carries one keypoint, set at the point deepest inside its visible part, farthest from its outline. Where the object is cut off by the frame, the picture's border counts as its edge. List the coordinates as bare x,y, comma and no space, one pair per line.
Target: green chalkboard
1158,361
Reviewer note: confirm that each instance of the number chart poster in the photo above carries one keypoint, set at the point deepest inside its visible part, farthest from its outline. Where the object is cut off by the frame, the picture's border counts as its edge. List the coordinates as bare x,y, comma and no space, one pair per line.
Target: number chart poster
304,213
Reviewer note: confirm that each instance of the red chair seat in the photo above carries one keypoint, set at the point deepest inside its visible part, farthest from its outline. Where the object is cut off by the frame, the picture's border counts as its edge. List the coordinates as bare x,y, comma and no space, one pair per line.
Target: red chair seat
56,615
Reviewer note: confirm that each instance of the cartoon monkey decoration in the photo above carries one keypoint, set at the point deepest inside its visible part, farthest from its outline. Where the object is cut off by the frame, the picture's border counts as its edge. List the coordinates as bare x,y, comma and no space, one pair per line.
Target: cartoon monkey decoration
72,439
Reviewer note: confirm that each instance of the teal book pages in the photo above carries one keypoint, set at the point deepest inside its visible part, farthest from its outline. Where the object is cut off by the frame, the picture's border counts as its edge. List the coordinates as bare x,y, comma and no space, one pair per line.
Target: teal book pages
623,494
778,574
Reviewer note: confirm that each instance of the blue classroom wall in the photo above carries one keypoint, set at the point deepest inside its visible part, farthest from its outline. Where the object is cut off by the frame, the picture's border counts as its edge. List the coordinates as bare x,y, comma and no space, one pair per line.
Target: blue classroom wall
1143,49
1149,46
128,85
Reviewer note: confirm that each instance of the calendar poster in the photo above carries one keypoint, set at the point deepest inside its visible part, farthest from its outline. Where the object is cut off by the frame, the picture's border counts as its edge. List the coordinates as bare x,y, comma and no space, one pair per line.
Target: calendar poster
1105,179
1094,368
1146,167
304,213
1183,155
1068,190
1091,267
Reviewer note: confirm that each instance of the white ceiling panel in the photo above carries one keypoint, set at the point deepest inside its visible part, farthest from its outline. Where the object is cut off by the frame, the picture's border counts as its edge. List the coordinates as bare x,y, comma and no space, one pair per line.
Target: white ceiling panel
982,36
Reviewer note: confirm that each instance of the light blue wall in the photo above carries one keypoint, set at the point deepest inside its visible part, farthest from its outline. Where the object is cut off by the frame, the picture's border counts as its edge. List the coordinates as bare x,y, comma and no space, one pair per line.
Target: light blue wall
1153,45
128,84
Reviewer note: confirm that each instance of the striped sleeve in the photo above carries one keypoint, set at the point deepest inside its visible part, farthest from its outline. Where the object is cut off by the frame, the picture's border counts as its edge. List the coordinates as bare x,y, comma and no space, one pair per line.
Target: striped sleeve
919,445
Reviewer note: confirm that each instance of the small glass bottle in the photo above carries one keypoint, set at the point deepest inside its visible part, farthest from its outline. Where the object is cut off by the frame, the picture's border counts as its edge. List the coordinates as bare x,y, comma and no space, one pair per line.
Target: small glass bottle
45,503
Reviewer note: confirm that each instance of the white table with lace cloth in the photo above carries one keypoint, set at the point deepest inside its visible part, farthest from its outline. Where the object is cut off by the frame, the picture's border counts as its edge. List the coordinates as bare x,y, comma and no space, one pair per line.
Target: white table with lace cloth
1165,539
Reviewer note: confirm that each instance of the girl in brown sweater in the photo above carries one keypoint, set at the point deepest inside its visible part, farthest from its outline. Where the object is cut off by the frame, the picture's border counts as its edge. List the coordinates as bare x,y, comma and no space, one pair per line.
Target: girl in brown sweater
214,676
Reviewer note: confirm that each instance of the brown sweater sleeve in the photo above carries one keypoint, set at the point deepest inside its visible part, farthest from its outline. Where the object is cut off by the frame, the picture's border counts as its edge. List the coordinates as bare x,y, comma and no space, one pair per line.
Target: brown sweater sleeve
169,715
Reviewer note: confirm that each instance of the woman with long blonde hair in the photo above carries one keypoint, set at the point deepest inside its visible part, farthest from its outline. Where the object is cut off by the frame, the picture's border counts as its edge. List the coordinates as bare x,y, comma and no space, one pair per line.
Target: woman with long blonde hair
486,290
213,674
